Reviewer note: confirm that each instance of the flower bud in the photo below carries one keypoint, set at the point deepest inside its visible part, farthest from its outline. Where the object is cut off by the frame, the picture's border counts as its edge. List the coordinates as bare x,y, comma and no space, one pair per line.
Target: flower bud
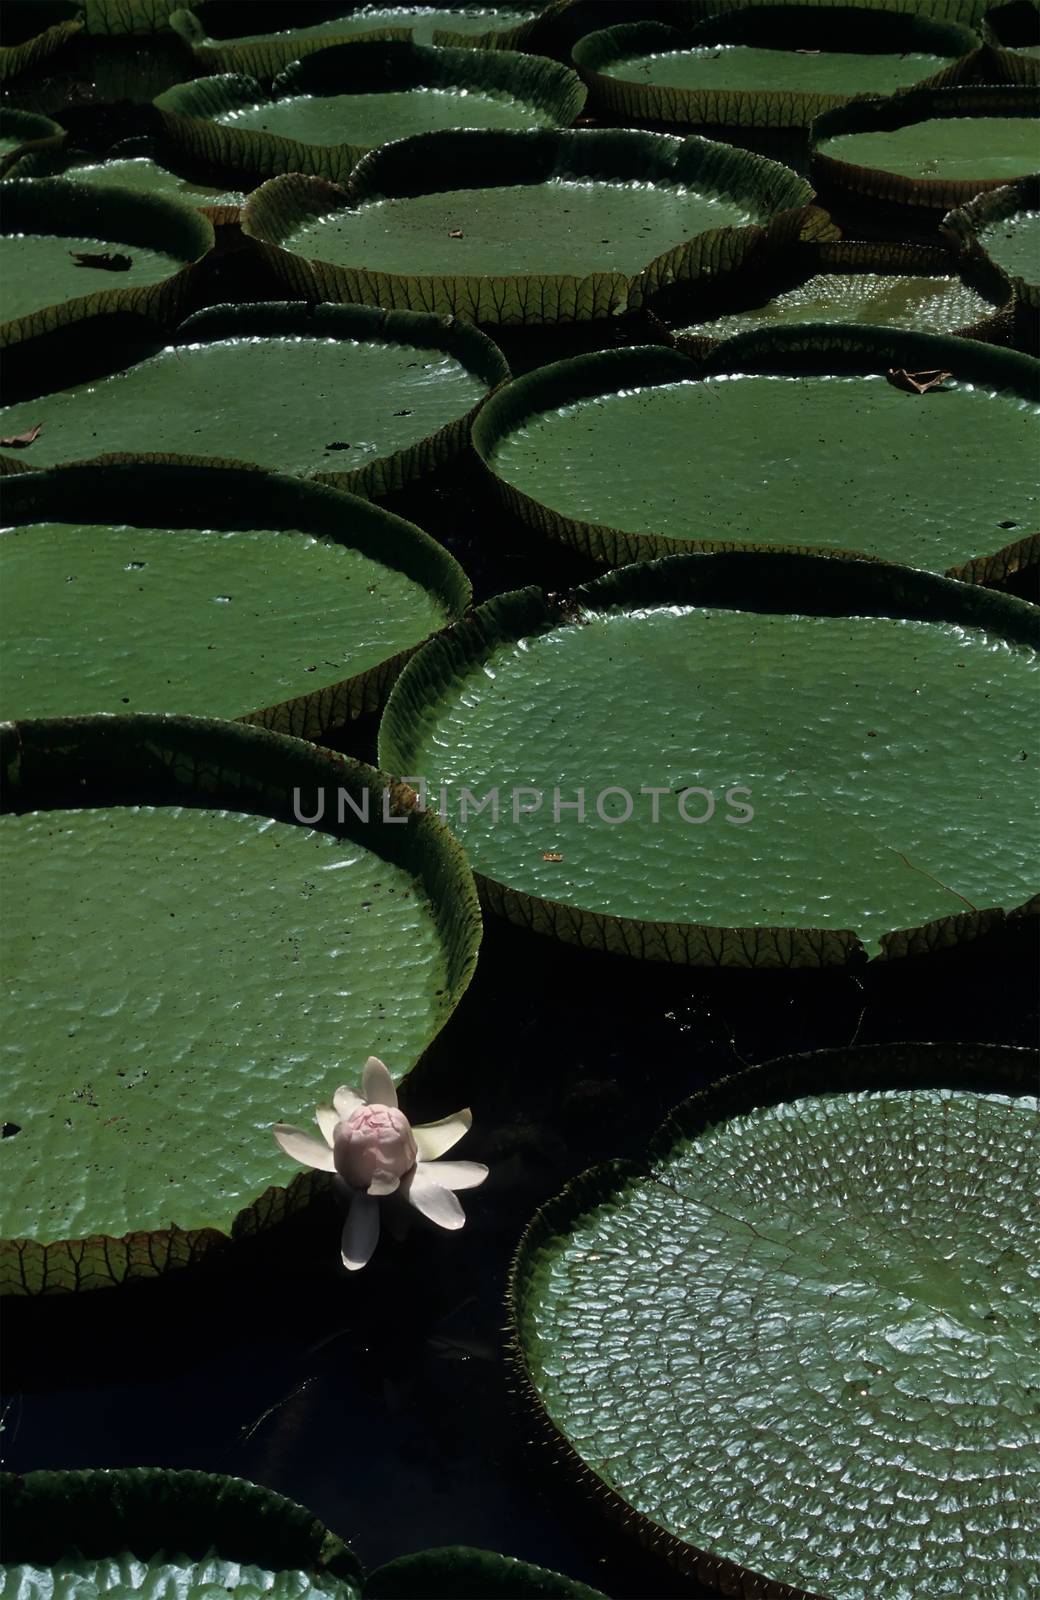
374,1141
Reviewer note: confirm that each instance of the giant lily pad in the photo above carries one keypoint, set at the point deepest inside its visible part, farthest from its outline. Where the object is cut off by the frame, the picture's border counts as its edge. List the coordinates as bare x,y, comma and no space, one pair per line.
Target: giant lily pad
144,165
764,67
155,1532
930,148
457,1572
211,592
536,227
802,440
905,286
291,29
1003,226
18,128
147,1531
362,399
323,113
963,13
794,1346
125,18
754,760
31,33
48,224
186,962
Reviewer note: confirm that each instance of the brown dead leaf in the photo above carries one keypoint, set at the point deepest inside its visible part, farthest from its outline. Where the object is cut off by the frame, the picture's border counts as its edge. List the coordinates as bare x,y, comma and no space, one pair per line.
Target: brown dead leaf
22,441
105,260
552,855
917,382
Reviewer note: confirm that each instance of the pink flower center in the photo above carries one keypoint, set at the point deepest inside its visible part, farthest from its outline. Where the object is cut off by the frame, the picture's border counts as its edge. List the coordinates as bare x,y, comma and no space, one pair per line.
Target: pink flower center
373,1141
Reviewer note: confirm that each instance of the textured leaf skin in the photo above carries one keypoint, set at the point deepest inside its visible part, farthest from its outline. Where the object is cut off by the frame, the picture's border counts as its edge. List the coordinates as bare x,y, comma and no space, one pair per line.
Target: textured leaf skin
790,264
186,760
978,1069
852,183
131,489
150,1510
165,1576
341,69
121,18
844,28
32,52
445,335
963,226
775,196
53,206
775,581
459,1573
823,347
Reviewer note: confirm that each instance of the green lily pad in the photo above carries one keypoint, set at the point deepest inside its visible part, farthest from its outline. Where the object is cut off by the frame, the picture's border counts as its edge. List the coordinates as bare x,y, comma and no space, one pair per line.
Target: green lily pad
362,399
325,112
282,31
763,67
1003,228
212,965
144,166
794,1346
125,18
47,220
931,148
155,1533
537,227
960,13
457,1572
20,127
147,1531
210,592
913,287
801,439
777,758
31,32
144,175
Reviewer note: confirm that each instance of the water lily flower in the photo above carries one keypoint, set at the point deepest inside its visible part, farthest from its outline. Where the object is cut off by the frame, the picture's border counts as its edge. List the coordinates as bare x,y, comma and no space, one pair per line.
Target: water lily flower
372,1150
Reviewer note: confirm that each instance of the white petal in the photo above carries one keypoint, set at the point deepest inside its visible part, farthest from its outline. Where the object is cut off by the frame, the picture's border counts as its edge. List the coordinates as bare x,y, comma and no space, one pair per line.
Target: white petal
440,1205
432,1139
345,1101
327,1119
360,1232
304,1147
384,1183
457,1174
378,1084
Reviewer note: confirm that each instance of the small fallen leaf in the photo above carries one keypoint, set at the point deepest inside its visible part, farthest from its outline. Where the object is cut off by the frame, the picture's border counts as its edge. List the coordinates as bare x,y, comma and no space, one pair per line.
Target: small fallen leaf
22,441
456,233
917,382
552,855
105,260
